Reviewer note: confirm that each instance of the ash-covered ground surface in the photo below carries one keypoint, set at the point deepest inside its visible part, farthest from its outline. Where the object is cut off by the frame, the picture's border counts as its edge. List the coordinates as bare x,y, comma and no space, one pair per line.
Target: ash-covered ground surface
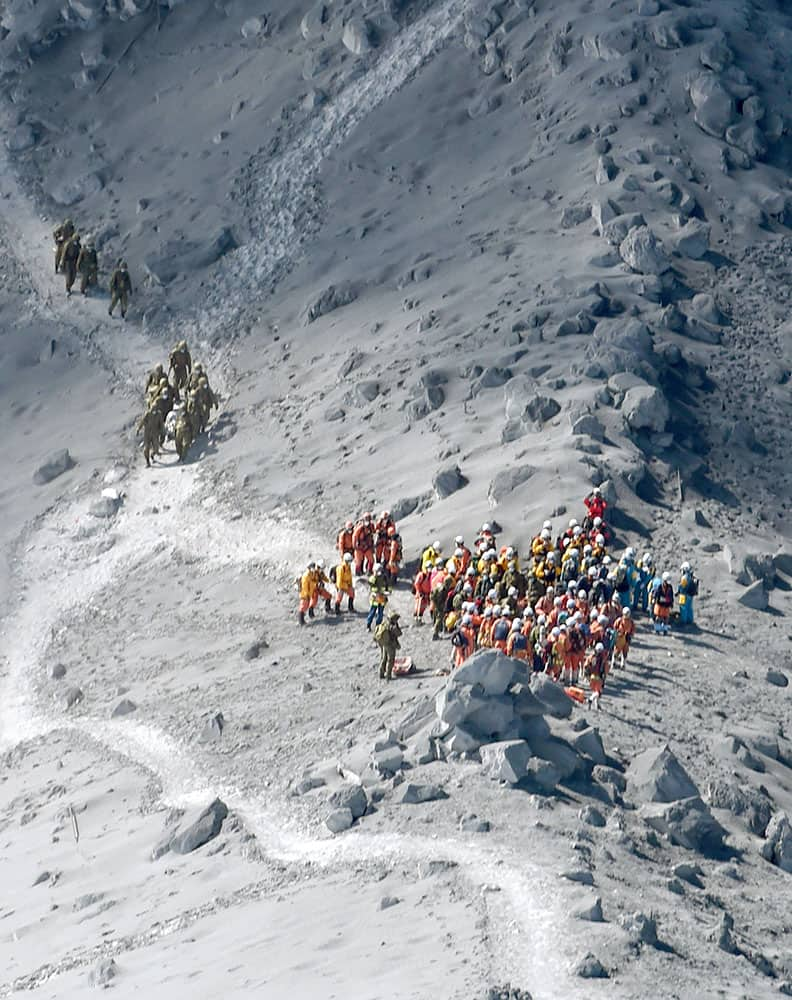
516,249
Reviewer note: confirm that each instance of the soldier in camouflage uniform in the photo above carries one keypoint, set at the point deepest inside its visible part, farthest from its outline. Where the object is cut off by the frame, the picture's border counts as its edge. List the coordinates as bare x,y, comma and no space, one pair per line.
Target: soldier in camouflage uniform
153,426
62,234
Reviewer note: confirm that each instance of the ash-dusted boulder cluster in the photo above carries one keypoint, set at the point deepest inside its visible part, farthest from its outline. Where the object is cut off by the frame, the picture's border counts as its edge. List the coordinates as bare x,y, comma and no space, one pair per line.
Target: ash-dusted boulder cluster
494,707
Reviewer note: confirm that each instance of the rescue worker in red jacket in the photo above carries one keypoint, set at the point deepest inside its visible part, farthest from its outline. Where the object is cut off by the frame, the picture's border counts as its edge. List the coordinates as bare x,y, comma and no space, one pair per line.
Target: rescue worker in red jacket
381,526
345,542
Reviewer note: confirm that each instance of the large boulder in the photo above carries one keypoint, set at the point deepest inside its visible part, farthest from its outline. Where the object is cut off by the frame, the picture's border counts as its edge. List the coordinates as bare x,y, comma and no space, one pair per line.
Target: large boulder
642,252
714,106
507,760
175,257
489,669
57,463
455,703
203,828
693,239
687,823
448,481
412,794
507,481
551,696
332,298
645,409
777,847
755,597
357,37
588,743
351,797
494,718
756,809
559,753
657,776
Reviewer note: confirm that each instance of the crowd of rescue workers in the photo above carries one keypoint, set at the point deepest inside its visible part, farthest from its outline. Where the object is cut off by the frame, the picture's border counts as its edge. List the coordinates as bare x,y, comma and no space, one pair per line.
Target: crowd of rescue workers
567,609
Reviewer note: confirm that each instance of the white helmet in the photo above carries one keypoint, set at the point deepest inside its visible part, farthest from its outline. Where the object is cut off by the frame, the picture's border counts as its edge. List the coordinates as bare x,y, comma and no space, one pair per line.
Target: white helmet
466,620
436,545
377,568
599,647
509,552
570,605
470,571
574,551
320,563
347,557
597,522
600,539
486,528
630,553
505,612
555,632
459,540
627,613
573,522
488,612
551,557
666,577
516,624
541,620
685,567
607,561
586,550
438,563
577,531
582,594
467,589
458,553
512,591
545,534
497,611
557,602
647,559
547,526
491,595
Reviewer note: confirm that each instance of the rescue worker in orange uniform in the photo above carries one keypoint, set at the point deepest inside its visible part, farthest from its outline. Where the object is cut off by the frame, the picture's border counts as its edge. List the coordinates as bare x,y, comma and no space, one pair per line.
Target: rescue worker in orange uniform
345,542
421,588
624,627
485,629
363,543
322,583
463,641
517,643
597,669
393,553
381,526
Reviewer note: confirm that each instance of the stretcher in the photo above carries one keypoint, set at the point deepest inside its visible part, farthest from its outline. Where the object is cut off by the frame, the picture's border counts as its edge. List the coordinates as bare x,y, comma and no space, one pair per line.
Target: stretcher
403,666
576,694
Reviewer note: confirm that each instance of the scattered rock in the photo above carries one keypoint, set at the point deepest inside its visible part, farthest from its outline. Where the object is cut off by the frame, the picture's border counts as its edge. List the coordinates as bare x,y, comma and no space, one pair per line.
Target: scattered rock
687,823
777,848
640,928
645,409
103,973
506,760
332,298
714,106
657,776
507,481
254,27
580,875
367,390
755,597
777,678
591,911
351,797
124,707
72,697
642,252
339,820
104,507
255,649
588,742
58,463
58,671
591,816
590,967
388,901
472,824
543,774
205,827
551,696
357,37
21,138
213,728
448,481
411,794
70,192
690,874
693,239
